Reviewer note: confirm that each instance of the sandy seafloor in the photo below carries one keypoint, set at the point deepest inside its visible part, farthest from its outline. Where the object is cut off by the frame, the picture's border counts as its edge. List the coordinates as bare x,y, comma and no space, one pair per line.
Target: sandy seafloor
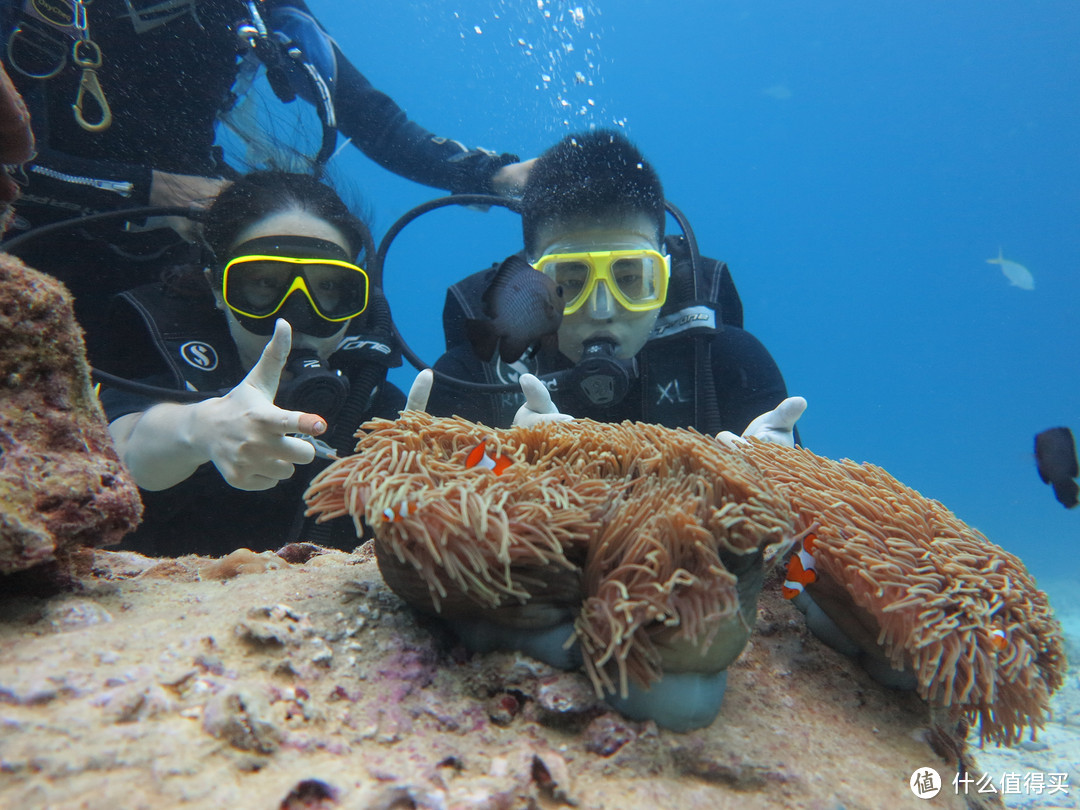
255,682
1057,747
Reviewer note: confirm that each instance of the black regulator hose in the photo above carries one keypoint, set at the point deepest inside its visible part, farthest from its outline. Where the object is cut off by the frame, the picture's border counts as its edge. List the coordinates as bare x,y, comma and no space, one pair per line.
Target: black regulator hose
151,391
362,386
380,261
141,212
12,246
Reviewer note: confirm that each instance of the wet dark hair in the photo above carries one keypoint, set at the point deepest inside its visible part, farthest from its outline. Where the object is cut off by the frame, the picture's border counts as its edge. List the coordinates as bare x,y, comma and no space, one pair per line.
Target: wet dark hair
597,174
257,195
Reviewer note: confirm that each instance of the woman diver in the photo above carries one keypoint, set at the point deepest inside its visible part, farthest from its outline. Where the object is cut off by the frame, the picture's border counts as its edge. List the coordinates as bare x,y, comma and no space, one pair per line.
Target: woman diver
287,326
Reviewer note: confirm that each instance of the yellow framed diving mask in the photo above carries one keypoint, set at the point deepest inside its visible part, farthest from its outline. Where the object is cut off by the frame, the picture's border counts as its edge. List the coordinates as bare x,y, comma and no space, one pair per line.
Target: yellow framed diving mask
258,286
637,279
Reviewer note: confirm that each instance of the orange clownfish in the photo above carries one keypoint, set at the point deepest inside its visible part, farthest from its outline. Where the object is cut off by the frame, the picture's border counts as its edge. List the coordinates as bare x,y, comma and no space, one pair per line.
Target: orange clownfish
396,515
999,640
479,457
800,569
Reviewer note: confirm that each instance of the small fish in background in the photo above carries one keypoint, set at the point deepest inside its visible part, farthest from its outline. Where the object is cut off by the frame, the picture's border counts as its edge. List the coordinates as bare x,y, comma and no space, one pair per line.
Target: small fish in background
480,457
1016,273
800,570
523,307
1055,456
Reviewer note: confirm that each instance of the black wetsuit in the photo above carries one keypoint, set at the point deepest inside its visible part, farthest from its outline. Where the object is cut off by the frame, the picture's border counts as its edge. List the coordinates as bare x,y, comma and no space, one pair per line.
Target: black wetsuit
667,388
746,378
203,514
165,87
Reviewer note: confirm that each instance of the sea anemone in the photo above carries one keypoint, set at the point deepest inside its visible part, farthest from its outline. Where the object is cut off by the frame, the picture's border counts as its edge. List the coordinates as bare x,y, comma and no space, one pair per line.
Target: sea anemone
906,580
642,543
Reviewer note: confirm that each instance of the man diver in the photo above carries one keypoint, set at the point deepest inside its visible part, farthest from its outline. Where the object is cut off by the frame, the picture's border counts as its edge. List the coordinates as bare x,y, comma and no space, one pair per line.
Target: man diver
124,97
650,331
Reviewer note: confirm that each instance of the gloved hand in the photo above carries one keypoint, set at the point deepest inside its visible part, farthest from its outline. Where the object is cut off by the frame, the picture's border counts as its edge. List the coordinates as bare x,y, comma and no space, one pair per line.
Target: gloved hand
538,406
420,390
776,426
245,434
242,433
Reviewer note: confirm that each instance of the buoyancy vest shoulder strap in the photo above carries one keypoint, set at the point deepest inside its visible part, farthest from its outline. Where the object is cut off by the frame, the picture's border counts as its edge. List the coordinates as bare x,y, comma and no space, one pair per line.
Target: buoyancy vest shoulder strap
677,385
191,338
712,284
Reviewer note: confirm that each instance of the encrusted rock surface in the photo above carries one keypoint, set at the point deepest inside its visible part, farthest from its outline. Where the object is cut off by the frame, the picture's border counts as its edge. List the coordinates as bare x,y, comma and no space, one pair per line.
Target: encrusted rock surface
61,484
270,684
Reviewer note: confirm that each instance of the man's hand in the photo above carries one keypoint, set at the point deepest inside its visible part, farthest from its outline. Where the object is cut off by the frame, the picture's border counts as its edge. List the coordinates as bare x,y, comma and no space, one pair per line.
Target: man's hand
420,391
538,406
776,426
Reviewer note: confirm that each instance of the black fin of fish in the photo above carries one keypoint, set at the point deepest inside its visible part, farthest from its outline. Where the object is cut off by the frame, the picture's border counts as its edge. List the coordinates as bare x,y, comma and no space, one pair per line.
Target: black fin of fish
482,338
510,350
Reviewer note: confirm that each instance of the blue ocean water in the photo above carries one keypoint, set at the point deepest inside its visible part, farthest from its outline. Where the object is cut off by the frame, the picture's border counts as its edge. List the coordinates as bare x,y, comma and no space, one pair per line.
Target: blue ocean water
855,164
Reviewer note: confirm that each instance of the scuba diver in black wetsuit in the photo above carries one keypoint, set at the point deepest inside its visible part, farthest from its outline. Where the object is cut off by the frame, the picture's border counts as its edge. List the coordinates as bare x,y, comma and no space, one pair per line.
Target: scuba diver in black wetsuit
651,330
124,96
296,340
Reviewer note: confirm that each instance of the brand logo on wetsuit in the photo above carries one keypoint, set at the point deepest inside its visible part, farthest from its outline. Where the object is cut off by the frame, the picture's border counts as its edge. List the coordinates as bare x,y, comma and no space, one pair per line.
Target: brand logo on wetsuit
689,318
351,344
200,355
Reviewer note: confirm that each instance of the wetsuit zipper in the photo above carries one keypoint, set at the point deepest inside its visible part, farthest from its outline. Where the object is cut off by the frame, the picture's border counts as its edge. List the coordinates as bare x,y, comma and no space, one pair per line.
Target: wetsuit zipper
121,187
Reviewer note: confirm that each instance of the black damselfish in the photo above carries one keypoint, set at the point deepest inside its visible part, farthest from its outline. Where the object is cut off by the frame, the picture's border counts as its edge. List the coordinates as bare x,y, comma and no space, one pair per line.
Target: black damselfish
1055,455
523,307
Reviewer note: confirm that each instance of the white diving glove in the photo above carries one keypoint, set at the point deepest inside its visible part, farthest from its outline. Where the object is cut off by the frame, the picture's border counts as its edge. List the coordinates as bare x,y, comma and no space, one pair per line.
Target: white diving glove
538,406
420,391
776,426
242,433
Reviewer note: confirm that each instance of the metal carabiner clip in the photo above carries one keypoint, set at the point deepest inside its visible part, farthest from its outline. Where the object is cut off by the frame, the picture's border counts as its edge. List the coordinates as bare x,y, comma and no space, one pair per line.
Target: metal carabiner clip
87,55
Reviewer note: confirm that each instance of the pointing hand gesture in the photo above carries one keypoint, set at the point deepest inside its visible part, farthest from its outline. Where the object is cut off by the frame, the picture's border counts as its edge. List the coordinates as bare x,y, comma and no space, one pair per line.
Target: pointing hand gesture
538,406
420,391
245,435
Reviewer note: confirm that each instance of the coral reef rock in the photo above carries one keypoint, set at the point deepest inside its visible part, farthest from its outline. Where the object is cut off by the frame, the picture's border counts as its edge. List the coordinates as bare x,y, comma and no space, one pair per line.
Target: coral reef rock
61,484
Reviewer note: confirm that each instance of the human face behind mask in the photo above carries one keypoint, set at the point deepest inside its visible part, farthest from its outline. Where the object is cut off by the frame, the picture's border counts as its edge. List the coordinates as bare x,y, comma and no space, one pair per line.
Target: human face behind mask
602,316
292,223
